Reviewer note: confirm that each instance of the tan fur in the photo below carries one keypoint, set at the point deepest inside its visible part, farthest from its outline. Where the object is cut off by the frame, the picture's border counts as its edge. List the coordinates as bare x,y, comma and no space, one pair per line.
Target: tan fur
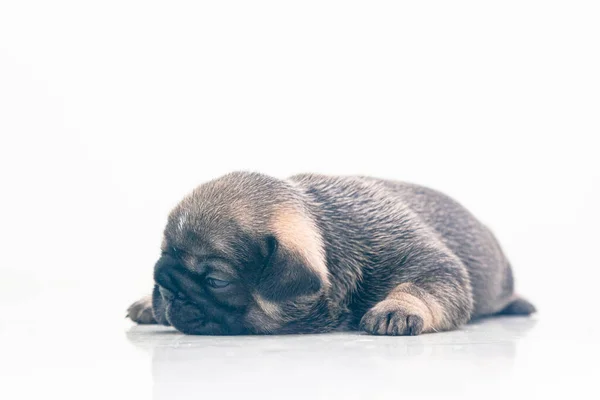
270,309
264,314
416,301
298,233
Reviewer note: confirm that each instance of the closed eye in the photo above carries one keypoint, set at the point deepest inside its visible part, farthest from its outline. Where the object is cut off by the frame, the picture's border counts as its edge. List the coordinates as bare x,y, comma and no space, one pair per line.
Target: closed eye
217,283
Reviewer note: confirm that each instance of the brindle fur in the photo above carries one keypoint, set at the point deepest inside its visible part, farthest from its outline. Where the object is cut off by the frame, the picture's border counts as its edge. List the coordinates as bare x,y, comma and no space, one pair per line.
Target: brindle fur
316,253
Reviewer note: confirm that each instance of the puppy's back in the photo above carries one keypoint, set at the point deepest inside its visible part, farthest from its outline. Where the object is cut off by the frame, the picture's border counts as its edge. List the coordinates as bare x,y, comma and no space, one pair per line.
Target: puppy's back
475,245
471,241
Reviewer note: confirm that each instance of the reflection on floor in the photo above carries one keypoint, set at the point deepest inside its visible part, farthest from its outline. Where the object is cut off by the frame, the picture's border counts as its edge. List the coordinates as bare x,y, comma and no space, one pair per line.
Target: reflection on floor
481,359
94,356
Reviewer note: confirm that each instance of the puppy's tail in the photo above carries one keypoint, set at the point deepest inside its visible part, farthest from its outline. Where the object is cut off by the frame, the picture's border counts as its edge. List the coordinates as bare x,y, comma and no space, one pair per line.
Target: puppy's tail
518,306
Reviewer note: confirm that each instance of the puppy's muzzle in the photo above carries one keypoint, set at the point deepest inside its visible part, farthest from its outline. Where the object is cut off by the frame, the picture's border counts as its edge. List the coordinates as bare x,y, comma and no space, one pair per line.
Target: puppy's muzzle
185,307
177,282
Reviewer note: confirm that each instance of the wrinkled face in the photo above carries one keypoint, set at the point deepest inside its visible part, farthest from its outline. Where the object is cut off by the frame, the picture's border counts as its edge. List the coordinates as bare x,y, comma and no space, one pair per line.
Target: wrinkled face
216,277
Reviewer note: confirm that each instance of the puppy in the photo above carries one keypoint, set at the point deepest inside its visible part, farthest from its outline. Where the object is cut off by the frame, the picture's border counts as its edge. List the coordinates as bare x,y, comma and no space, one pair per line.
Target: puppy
251,254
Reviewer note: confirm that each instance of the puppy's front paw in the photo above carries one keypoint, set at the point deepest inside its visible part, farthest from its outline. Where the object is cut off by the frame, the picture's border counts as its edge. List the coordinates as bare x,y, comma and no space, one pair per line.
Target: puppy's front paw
141,311
391,317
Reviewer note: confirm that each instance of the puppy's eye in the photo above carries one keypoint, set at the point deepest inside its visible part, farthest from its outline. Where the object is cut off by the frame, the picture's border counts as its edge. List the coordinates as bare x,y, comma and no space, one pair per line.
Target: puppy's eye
217,283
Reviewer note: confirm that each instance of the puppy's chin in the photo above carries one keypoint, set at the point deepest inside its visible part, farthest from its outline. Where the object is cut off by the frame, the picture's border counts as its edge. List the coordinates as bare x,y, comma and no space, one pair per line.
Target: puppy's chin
187,318
184,316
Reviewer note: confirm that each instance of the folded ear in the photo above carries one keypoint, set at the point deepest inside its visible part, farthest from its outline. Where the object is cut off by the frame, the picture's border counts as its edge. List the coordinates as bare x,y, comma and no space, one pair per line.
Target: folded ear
285,274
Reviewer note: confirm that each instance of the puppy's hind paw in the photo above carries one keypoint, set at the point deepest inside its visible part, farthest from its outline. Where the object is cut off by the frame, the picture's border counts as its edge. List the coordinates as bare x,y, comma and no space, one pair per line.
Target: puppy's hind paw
390,318
141,311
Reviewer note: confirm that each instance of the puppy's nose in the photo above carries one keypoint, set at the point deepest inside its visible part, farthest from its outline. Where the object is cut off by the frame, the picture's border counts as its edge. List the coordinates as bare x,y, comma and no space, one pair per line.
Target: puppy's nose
176,279
166,293
162,276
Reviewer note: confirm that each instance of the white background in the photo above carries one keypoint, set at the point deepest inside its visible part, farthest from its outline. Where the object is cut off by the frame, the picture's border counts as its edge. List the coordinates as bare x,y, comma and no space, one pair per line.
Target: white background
111,111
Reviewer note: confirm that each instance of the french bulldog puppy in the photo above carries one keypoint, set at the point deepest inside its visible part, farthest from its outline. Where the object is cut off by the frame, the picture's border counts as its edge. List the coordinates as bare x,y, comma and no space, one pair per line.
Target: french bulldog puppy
251,254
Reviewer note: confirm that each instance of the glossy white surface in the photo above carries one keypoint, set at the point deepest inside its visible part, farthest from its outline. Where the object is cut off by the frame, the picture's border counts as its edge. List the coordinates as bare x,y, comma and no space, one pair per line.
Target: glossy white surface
101,356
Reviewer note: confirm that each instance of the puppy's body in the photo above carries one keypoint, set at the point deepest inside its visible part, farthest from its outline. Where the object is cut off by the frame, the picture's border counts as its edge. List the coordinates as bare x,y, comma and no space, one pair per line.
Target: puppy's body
315,253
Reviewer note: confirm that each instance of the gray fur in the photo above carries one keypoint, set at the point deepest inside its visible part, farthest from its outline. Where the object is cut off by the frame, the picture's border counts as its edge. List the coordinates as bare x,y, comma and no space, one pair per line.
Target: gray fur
399,258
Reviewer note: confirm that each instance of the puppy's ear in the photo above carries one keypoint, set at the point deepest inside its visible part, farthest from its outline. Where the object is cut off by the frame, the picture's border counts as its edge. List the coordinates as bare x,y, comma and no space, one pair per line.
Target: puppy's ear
285,274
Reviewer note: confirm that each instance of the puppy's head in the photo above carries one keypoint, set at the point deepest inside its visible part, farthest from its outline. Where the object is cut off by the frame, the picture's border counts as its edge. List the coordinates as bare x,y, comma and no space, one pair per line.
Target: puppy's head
241,254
